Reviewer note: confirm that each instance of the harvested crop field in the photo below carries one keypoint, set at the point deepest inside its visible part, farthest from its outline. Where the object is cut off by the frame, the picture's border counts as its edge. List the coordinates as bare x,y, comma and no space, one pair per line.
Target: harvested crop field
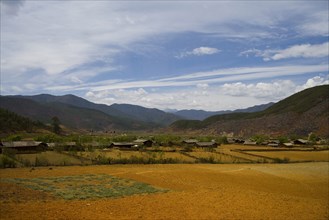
172,191
294,156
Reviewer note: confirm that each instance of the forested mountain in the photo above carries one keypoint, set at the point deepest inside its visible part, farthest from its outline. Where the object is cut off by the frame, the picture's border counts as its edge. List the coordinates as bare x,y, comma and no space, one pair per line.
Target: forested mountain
12,122
132,112
69,115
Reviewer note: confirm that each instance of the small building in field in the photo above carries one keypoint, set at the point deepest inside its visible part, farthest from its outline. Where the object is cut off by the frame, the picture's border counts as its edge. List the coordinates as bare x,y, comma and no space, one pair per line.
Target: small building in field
190,142
288,144
123,145
206,144
235,141
144,142
252,143
273,143
24,146
300,142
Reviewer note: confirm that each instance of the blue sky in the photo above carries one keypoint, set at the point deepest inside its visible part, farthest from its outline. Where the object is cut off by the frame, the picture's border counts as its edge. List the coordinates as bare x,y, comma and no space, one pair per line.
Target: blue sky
211,55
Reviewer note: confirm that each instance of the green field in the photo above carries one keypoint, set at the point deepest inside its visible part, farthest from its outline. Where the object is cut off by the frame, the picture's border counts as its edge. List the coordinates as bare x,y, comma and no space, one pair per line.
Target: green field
90,186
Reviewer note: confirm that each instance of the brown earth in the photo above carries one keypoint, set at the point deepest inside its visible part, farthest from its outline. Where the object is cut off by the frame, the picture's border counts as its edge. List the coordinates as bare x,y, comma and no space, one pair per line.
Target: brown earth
196,191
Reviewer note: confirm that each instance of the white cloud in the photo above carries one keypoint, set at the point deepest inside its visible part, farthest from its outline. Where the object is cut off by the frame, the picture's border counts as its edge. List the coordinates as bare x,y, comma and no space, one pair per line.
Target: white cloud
198,79
11,7
39,38
202,85
315,81
75,79
272,91
204,51
268,91
200,51
316,24
303,50
140,92
214,97
295,51
56,46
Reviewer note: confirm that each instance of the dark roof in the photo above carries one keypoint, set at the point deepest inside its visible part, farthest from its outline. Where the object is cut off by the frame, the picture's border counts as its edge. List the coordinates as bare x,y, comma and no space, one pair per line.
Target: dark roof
206,144
123,143
250,143
23,144
141,141
190,141
302,141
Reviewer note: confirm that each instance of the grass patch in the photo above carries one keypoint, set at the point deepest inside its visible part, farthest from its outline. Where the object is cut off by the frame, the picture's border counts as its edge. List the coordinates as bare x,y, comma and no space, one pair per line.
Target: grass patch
89,186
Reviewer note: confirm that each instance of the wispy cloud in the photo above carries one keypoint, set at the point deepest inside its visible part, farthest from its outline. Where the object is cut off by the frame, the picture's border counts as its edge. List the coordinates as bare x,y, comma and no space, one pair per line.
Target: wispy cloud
57,43
295,51
200,79
316,24
12,7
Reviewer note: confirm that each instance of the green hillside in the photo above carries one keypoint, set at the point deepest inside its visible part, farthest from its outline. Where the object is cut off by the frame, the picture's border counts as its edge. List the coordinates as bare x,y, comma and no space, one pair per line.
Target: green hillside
70,116
122,111
12,122
301,101
297,103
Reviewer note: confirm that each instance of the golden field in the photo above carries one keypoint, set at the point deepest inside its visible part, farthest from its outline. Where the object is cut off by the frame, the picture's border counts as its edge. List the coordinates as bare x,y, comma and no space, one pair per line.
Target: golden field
190,191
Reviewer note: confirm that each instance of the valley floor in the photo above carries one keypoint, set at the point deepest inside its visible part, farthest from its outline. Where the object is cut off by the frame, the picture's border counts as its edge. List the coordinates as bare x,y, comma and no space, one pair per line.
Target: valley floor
193,191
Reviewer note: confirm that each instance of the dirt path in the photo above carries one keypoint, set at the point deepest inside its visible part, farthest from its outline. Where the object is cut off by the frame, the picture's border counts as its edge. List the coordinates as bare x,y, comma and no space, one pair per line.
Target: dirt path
198,191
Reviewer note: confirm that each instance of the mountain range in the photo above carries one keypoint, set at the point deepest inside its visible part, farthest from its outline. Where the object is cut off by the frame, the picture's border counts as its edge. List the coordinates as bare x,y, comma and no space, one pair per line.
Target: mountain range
201,114
77,113
299,114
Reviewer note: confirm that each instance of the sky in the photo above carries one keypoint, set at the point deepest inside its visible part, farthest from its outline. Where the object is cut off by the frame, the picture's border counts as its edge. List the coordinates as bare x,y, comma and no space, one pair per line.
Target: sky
210,55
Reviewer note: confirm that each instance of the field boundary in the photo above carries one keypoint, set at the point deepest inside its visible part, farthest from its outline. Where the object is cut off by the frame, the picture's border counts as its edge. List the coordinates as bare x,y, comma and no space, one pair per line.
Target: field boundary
255,155
237,157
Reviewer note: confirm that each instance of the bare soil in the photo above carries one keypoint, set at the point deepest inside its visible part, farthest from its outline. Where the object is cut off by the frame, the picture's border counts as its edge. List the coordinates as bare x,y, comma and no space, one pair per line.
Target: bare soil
196,191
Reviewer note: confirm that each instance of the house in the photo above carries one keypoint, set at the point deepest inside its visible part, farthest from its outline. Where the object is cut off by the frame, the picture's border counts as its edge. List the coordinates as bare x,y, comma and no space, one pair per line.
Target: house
300,142
206,144
235,141
143,142
250,143
288,144
273,143
123,145
230,140
190,142
24,146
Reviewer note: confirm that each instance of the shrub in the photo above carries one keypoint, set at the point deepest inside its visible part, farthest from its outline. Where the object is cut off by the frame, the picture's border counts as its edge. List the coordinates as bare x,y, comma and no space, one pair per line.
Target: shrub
14,138
279,160
209,159
41,161
66,162
9,152
6,162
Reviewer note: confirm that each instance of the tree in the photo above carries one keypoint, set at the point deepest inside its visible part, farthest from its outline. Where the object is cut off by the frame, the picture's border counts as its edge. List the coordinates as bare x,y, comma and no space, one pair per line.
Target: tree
56,125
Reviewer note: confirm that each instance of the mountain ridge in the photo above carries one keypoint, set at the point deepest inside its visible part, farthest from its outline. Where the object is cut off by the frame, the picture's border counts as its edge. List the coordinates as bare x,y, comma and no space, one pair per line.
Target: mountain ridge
127,111
69,115
301,113
192,114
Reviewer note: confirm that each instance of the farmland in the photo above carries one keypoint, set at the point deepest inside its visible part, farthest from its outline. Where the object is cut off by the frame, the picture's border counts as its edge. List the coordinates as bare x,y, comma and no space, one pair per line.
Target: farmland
232,181
167,191
224,154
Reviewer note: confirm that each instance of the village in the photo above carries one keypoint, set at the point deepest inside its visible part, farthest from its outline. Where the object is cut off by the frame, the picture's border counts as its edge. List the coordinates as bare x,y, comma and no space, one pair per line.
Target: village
148,151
